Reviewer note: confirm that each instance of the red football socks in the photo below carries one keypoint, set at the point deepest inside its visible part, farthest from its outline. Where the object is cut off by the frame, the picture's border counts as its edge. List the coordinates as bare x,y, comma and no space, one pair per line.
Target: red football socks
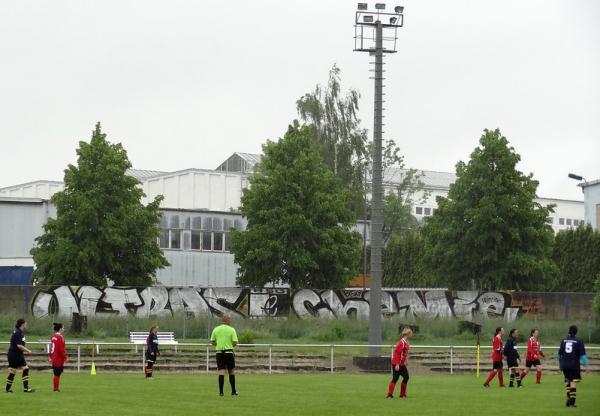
391,388
490,377
55,382
501,378
538,377
402,389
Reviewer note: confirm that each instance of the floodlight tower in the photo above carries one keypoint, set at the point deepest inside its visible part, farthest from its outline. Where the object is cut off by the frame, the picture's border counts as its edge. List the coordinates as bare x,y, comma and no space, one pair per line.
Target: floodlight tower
369,27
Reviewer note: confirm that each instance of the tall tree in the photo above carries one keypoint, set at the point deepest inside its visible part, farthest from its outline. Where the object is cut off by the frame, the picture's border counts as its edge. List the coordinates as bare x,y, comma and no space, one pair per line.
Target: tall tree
299,223
403,264
102,231
336,126
489,230
576,252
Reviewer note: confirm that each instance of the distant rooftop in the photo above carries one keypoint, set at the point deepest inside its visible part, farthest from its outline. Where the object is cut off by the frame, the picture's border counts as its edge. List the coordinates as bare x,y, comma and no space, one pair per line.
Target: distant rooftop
142,174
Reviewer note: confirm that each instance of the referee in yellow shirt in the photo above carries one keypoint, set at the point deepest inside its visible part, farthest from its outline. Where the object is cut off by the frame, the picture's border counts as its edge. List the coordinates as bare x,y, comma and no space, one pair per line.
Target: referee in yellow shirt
224,338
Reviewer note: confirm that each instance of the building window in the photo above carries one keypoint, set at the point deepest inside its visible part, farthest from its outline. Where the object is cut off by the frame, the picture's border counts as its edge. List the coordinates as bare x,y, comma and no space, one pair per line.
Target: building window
207,241
575,223
550,220
226,242
427,211
164,239
419,210
196,238
568,221
218,241
561,221
175,239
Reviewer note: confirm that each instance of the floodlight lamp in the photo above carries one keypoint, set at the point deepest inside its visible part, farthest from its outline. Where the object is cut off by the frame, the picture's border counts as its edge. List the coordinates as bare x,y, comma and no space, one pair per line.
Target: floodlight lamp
576,177
368,19
380,6
399,9
393,20
362,6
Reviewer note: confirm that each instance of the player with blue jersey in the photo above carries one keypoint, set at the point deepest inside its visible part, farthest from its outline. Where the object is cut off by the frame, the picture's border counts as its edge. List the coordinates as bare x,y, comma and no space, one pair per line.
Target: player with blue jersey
570,356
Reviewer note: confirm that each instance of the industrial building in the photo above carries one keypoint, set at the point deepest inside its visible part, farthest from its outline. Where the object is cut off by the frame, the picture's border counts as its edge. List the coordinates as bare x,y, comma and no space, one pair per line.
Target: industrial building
200,207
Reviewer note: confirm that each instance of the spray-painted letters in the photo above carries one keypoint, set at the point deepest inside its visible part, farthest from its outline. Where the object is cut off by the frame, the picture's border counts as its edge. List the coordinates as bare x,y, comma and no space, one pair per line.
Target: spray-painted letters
161,301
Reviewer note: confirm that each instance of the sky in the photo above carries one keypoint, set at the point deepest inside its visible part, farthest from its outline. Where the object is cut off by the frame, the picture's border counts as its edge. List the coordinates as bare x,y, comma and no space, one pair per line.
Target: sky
185,84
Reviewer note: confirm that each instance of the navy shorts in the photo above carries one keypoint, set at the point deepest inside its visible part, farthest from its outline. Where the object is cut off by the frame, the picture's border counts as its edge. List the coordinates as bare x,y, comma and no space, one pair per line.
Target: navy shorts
572,374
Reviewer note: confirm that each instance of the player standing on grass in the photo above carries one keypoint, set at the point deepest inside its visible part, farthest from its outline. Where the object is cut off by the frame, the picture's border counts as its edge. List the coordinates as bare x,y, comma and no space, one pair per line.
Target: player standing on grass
151,351
534,353
58,353
16,357
512,357
570,354
399,359
224,338
496,358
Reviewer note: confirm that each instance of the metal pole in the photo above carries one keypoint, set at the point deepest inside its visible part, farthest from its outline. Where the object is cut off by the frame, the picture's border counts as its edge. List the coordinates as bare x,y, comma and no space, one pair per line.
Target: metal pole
376,203
332,358
364,228
78,358
451,361
207,358
270,358
143,358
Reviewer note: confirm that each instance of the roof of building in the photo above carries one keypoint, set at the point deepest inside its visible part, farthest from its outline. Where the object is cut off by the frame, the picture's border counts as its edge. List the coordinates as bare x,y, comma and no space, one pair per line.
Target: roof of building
141,174
41,181
430,178
251,158
590,183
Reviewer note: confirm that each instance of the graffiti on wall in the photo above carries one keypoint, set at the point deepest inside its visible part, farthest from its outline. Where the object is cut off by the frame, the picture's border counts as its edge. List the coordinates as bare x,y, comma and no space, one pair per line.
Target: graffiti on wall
159,301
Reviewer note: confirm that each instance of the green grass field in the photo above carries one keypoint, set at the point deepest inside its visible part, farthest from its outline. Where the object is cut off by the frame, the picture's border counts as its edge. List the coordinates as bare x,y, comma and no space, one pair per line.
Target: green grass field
292,394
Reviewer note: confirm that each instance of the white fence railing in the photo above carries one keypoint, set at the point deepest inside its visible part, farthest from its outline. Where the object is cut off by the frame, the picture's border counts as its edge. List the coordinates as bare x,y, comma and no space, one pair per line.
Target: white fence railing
332,347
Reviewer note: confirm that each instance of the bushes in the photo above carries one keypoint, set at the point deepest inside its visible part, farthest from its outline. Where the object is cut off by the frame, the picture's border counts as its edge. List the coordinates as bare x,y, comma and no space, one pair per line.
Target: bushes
339,331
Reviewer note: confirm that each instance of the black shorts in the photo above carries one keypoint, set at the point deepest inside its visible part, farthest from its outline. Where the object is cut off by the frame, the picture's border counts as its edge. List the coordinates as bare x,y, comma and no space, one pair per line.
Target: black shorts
16,360
151,358
497,365
512,363
402,372
225,360
532,363
572,374
57,370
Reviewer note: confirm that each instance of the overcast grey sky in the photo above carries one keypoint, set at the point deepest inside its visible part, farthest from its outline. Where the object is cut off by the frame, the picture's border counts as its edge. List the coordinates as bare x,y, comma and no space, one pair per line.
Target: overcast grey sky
186,83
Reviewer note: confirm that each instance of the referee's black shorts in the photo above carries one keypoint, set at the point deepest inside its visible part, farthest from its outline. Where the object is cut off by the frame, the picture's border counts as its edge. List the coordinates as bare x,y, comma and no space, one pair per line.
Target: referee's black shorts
225,360
16,360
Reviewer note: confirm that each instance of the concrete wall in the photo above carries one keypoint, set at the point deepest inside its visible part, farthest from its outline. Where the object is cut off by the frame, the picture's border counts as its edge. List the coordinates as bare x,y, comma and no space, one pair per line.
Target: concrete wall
260,303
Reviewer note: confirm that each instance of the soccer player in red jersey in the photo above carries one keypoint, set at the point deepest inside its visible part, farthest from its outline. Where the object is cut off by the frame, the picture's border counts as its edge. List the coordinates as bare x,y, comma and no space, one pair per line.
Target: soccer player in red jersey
58,353
496,358
399,359
534,352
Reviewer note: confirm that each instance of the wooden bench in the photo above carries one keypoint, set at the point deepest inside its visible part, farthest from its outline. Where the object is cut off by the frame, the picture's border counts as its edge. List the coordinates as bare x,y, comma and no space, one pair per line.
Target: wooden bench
164,338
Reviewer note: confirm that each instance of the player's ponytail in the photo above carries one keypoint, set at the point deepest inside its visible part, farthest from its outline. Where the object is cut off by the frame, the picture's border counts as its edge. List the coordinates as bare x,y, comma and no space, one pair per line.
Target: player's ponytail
532,332
573,330
57,326
498,330
20,322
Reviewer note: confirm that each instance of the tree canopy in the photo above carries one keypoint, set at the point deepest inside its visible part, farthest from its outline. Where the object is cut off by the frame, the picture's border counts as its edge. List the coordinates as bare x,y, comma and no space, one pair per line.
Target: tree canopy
299,223
577,254
489,231
102,231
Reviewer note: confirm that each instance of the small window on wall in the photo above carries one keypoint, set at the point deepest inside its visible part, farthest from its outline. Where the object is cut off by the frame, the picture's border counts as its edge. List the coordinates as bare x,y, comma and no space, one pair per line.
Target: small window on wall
427,211
227,224
419,210
175,239
164,239
575,223
568,221
237,224
550,220
218,242
561,221
196,239
217,224
174,221
207,241
197,223
207,224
